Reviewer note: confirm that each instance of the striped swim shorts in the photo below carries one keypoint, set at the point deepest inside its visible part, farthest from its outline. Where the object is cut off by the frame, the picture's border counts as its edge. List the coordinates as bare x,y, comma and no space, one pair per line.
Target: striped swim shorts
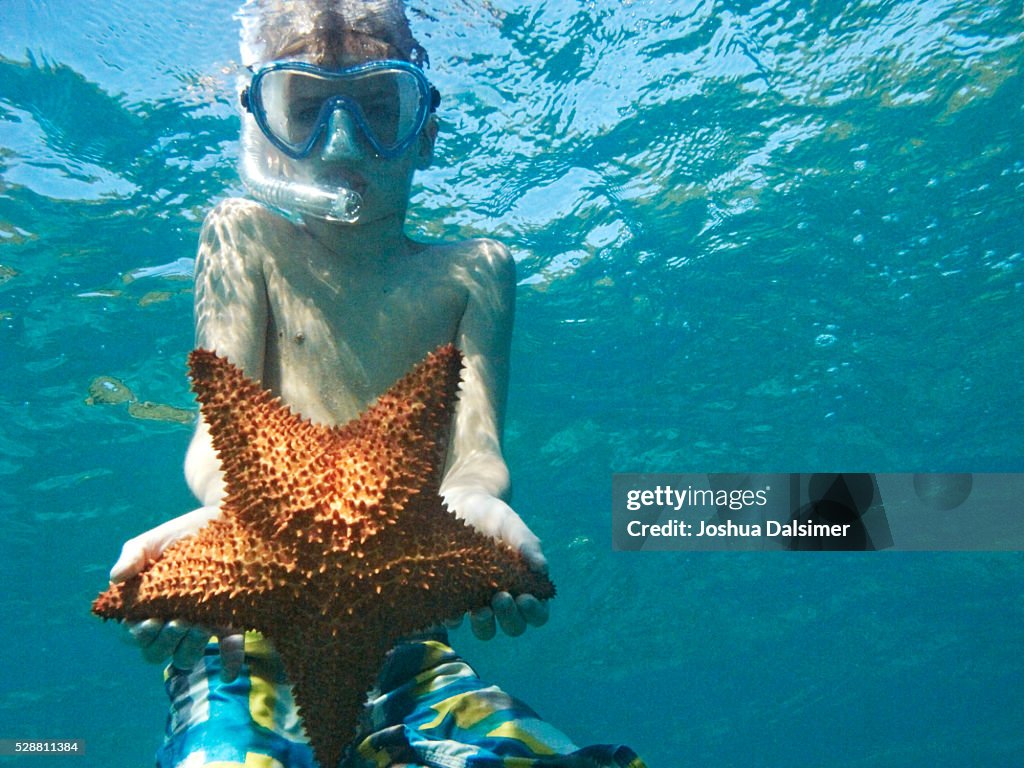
428,708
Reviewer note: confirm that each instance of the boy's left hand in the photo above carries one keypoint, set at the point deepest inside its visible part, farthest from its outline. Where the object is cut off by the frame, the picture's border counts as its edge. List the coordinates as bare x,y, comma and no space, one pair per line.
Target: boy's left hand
513,614
492,516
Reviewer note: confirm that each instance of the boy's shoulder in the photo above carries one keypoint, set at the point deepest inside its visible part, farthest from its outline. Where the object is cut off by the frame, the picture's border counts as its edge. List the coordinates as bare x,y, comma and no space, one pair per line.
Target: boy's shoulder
245,228
481,257
245,214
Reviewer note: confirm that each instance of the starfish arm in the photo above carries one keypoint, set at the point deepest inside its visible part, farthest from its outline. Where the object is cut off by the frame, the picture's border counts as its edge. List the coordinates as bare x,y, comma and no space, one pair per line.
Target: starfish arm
446,567
264,448
330,676
202,579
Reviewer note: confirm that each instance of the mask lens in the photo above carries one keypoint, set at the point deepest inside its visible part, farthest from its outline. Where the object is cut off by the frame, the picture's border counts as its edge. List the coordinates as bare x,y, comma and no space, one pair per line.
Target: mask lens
388,103
291,103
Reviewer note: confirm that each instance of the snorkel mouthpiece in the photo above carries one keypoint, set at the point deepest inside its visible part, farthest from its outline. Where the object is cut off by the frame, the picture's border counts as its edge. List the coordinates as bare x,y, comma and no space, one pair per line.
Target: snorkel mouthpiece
346,206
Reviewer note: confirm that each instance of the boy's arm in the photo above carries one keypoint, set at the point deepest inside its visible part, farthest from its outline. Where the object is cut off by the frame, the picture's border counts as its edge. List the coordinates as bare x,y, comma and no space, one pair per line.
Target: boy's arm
231,319
477,479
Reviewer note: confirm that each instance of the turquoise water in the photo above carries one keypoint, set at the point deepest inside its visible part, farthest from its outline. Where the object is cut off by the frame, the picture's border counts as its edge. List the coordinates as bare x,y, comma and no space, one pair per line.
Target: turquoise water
783,236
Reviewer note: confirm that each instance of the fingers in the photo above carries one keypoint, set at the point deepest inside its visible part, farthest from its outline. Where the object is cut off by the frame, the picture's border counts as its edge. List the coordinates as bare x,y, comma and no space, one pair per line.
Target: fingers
533,611
185,645
177,640
232,654
505,610
482,623
190,650
512,615
142,633
163,639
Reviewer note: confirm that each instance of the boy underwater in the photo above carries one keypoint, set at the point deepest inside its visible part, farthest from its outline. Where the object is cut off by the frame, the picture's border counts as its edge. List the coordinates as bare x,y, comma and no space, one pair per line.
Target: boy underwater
314,290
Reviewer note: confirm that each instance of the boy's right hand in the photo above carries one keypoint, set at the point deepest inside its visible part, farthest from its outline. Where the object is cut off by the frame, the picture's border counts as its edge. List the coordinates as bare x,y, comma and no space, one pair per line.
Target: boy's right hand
177,640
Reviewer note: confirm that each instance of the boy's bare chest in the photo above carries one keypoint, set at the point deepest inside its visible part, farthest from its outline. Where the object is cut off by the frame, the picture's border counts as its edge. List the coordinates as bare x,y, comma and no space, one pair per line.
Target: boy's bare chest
336,341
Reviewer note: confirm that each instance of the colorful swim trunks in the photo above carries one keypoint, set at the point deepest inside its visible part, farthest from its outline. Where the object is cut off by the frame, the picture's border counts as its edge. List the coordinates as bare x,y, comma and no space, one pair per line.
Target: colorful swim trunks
428,708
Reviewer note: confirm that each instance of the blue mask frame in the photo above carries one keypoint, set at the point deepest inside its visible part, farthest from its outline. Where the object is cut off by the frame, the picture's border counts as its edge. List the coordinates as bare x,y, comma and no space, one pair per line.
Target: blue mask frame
428,101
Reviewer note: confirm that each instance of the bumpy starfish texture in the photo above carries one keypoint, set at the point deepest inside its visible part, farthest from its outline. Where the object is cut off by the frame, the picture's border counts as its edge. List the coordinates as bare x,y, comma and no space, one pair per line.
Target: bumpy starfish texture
333,541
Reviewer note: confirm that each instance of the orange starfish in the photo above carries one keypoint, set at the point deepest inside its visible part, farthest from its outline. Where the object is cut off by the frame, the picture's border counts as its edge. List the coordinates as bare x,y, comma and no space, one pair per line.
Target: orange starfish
333,541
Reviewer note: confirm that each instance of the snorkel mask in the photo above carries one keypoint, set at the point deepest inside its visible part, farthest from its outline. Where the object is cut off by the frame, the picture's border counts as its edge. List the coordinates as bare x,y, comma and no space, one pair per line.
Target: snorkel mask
294,104
300,108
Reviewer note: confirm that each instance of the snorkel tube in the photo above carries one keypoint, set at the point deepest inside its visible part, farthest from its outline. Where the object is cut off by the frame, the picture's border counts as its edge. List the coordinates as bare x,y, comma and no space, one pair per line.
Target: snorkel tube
291,196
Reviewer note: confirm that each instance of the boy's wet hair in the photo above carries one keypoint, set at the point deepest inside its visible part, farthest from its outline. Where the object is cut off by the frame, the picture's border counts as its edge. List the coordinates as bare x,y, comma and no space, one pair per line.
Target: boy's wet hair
327,32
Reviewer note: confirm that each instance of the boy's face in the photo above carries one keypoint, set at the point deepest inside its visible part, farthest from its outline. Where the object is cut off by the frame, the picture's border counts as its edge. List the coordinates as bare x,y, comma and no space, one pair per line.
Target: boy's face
348,111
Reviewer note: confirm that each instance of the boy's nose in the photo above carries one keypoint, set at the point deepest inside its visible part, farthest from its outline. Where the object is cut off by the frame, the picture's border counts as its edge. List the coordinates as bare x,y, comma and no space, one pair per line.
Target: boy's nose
342,137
